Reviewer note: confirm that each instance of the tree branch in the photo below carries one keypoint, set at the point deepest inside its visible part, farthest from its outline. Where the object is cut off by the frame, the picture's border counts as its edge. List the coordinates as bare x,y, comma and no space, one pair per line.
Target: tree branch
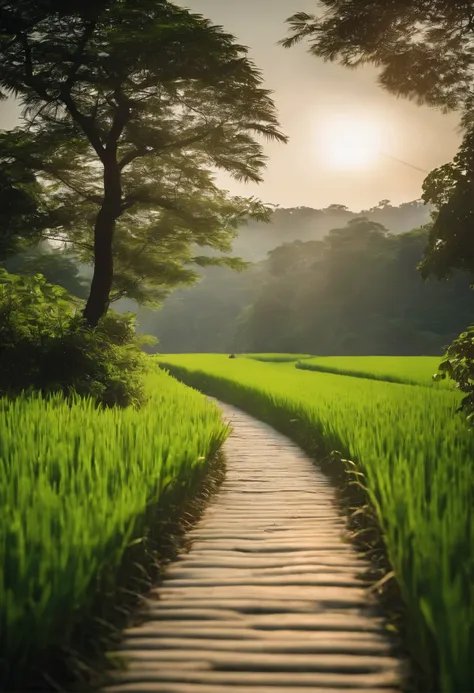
192,139
96,199
122,116
85,122
131,156
117,296
89,30
32,81
131,200
144,151
31,122
123,292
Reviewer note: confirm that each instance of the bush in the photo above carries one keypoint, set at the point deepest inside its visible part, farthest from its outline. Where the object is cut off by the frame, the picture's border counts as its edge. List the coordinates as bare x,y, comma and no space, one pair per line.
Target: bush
458,365
45,346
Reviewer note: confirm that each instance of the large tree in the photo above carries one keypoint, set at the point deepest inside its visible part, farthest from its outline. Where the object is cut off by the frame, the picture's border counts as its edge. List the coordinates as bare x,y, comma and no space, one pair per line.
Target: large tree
130,107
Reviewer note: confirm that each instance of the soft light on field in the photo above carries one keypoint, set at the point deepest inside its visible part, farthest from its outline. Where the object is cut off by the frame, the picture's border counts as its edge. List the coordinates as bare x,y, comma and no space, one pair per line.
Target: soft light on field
350,142
415,453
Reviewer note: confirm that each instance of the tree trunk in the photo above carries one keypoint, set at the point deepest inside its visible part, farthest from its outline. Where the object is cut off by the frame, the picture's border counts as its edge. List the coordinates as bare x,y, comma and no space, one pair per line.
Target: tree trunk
101,285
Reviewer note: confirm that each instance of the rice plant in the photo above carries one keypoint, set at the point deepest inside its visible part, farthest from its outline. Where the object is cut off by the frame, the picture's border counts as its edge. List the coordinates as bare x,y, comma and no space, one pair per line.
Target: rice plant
276,358
74,481
417,457
412,370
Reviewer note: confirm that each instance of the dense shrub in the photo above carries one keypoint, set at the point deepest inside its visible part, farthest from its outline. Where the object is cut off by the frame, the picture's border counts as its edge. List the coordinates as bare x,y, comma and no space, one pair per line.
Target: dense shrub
45,345
458,365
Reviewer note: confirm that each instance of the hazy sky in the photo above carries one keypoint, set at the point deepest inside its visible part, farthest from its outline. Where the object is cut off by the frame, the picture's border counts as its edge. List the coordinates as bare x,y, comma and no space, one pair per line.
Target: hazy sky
312,97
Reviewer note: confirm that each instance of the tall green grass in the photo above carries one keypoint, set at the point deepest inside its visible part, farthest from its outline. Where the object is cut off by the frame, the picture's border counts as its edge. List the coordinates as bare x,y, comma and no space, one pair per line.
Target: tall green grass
276,358
75,483
411,370
418,460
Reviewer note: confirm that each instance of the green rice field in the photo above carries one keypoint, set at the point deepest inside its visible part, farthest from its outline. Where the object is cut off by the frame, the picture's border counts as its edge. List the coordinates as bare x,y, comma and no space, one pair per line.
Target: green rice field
413,370
417,457
277,358
75,483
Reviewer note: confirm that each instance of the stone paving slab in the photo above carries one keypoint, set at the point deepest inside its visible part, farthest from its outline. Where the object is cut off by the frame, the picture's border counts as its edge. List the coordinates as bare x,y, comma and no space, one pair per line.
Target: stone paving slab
269,596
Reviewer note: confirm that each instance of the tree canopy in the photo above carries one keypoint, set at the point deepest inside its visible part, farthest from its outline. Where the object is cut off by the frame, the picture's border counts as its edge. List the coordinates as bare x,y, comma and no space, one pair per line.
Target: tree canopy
424,48
129,108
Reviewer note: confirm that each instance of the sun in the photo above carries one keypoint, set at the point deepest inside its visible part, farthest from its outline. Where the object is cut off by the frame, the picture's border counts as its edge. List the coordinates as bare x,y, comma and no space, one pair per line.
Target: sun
350,143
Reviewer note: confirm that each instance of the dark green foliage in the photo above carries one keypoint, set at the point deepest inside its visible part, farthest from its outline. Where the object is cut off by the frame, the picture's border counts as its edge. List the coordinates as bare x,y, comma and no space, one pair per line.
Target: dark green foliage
450,189
458,365
19,209
45,346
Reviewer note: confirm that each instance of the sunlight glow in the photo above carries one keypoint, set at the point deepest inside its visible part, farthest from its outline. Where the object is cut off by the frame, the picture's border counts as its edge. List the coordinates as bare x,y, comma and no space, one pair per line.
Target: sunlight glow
350,142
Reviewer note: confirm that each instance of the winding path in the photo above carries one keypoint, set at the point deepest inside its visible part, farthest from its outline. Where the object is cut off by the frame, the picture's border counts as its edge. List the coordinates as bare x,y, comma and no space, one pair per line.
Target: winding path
269,597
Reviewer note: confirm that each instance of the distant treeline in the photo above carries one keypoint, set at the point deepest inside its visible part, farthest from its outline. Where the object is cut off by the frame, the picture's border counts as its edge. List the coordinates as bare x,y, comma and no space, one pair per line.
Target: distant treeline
357,291
348,289
307,224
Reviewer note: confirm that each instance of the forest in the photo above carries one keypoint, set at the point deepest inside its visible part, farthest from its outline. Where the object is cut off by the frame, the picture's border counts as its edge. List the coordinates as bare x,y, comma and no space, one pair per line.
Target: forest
330,291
